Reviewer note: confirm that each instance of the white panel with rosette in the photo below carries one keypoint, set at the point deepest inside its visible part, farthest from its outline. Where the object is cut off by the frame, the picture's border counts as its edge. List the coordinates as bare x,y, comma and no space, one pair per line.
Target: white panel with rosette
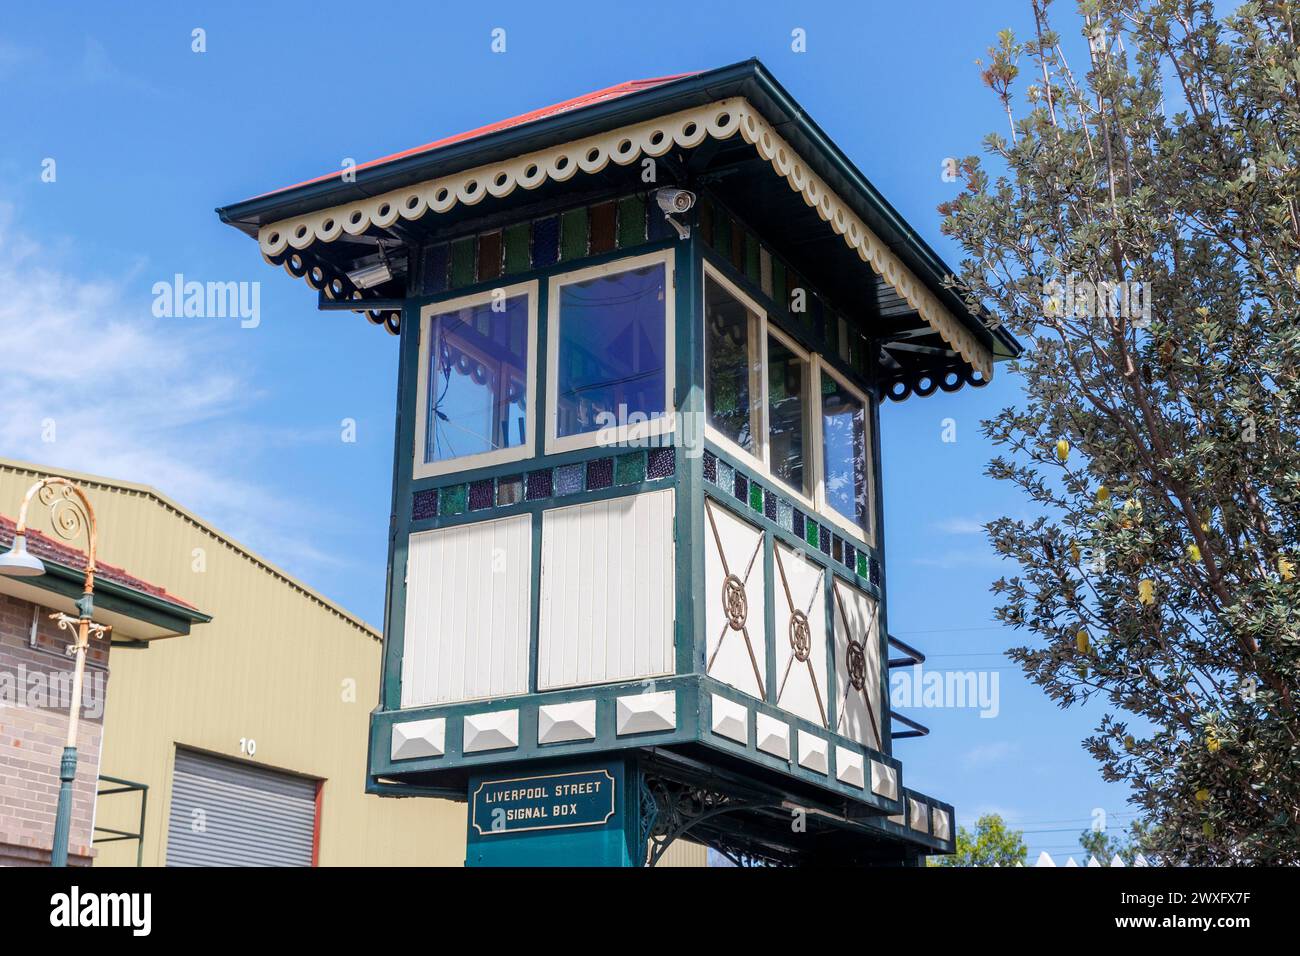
857,665
734,596
800,635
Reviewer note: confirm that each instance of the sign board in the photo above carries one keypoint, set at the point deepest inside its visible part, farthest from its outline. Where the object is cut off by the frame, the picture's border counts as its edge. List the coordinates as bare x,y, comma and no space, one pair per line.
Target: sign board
583,798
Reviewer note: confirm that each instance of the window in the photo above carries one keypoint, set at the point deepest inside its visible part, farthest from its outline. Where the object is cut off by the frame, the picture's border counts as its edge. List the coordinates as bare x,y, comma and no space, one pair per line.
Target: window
611,353
733,378
846,477
799,421
477,369
787,402
756,385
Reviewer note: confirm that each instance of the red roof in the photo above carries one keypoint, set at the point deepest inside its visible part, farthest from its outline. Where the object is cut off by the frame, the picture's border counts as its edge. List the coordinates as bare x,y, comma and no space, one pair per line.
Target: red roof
577,103
47,549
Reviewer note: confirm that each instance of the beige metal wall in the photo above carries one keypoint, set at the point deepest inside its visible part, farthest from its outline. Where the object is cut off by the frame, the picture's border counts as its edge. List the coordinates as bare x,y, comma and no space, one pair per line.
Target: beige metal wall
278,664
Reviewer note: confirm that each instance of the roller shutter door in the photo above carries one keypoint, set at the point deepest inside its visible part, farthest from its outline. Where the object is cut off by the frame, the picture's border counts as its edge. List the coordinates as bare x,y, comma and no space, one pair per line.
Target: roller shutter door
226,813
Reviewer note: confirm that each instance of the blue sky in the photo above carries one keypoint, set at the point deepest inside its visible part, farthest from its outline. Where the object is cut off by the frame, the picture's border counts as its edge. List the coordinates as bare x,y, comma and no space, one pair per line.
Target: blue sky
243,425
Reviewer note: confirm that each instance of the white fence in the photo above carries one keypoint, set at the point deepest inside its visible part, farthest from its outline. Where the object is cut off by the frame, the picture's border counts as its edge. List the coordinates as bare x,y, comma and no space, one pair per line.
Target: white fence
1045,859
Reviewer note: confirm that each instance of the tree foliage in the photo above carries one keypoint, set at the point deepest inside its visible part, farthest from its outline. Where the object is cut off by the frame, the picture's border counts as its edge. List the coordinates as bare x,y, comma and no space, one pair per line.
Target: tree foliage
991,844
1105,846
1142,238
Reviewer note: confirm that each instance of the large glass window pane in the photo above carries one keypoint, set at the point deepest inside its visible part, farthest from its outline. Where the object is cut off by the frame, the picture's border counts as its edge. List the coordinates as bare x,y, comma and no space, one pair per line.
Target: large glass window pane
844,451
787,399
478,380
729,334
612,348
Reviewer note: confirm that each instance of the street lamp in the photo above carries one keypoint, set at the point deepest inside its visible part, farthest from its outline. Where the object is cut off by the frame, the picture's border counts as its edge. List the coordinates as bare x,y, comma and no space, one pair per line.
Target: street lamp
71,513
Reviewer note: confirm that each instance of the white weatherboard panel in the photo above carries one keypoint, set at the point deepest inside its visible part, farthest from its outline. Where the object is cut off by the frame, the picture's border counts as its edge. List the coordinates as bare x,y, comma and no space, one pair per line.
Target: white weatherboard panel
608,591
737,637
799,587
467,617
856,636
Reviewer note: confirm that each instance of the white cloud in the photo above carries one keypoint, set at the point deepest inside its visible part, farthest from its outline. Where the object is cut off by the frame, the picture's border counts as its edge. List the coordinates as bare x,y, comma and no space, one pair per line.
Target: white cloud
162,402
960,525
974,556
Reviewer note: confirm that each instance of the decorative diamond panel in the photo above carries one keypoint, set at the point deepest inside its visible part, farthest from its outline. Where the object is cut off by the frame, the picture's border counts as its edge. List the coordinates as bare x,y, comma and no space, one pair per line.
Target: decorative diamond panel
645,713
419,738
942,825
496,730
730,719
857,664
734,600
800,635
849,767
812,752
918,815
884,780
772,736
558,723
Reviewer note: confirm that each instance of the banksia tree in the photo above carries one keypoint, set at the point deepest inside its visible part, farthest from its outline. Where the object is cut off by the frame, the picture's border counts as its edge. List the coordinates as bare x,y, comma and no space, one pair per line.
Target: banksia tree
1140,232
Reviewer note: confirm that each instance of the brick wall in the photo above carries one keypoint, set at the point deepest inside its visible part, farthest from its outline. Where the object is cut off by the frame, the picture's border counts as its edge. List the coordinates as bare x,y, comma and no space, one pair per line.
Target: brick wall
35,689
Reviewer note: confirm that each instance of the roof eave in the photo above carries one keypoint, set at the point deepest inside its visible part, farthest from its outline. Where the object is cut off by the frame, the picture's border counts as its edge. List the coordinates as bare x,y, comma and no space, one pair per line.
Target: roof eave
748,78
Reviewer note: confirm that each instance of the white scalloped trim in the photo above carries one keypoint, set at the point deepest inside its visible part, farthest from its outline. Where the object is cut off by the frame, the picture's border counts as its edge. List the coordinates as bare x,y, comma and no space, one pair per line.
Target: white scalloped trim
687,129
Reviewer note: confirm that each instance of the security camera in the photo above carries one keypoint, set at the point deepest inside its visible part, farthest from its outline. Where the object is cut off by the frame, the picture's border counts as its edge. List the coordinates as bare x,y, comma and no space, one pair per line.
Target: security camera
675,200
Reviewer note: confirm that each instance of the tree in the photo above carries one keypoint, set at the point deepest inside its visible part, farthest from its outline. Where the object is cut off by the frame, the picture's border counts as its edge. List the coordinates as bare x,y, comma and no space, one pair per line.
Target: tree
1142,239
992,844
1103,846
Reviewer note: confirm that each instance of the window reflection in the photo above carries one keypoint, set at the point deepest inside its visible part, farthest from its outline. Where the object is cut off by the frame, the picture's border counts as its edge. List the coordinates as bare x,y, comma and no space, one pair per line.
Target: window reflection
612,344
731,365
844,451
478,368
787,387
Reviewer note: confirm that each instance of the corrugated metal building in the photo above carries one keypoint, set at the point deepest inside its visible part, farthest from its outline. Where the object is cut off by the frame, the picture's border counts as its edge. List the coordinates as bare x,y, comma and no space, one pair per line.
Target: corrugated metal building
250,732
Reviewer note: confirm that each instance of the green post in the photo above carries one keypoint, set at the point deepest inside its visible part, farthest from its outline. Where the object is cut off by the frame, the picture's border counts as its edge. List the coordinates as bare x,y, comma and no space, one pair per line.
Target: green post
63,816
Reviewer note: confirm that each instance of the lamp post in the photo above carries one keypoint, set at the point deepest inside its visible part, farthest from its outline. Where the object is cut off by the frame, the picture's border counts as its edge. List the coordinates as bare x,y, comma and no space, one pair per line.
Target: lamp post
71,513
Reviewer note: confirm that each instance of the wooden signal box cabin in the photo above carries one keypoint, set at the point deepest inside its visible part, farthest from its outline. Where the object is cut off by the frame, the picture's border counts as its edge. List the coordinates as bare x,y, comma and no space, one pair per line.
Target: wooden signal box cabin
637,584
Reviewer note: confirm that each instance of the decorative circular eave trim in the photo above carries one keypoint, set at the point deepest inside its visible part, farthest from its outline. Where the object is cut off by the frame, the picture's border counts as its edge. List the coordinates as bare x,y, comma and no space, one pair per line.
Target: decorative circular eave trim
687,129
924,383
